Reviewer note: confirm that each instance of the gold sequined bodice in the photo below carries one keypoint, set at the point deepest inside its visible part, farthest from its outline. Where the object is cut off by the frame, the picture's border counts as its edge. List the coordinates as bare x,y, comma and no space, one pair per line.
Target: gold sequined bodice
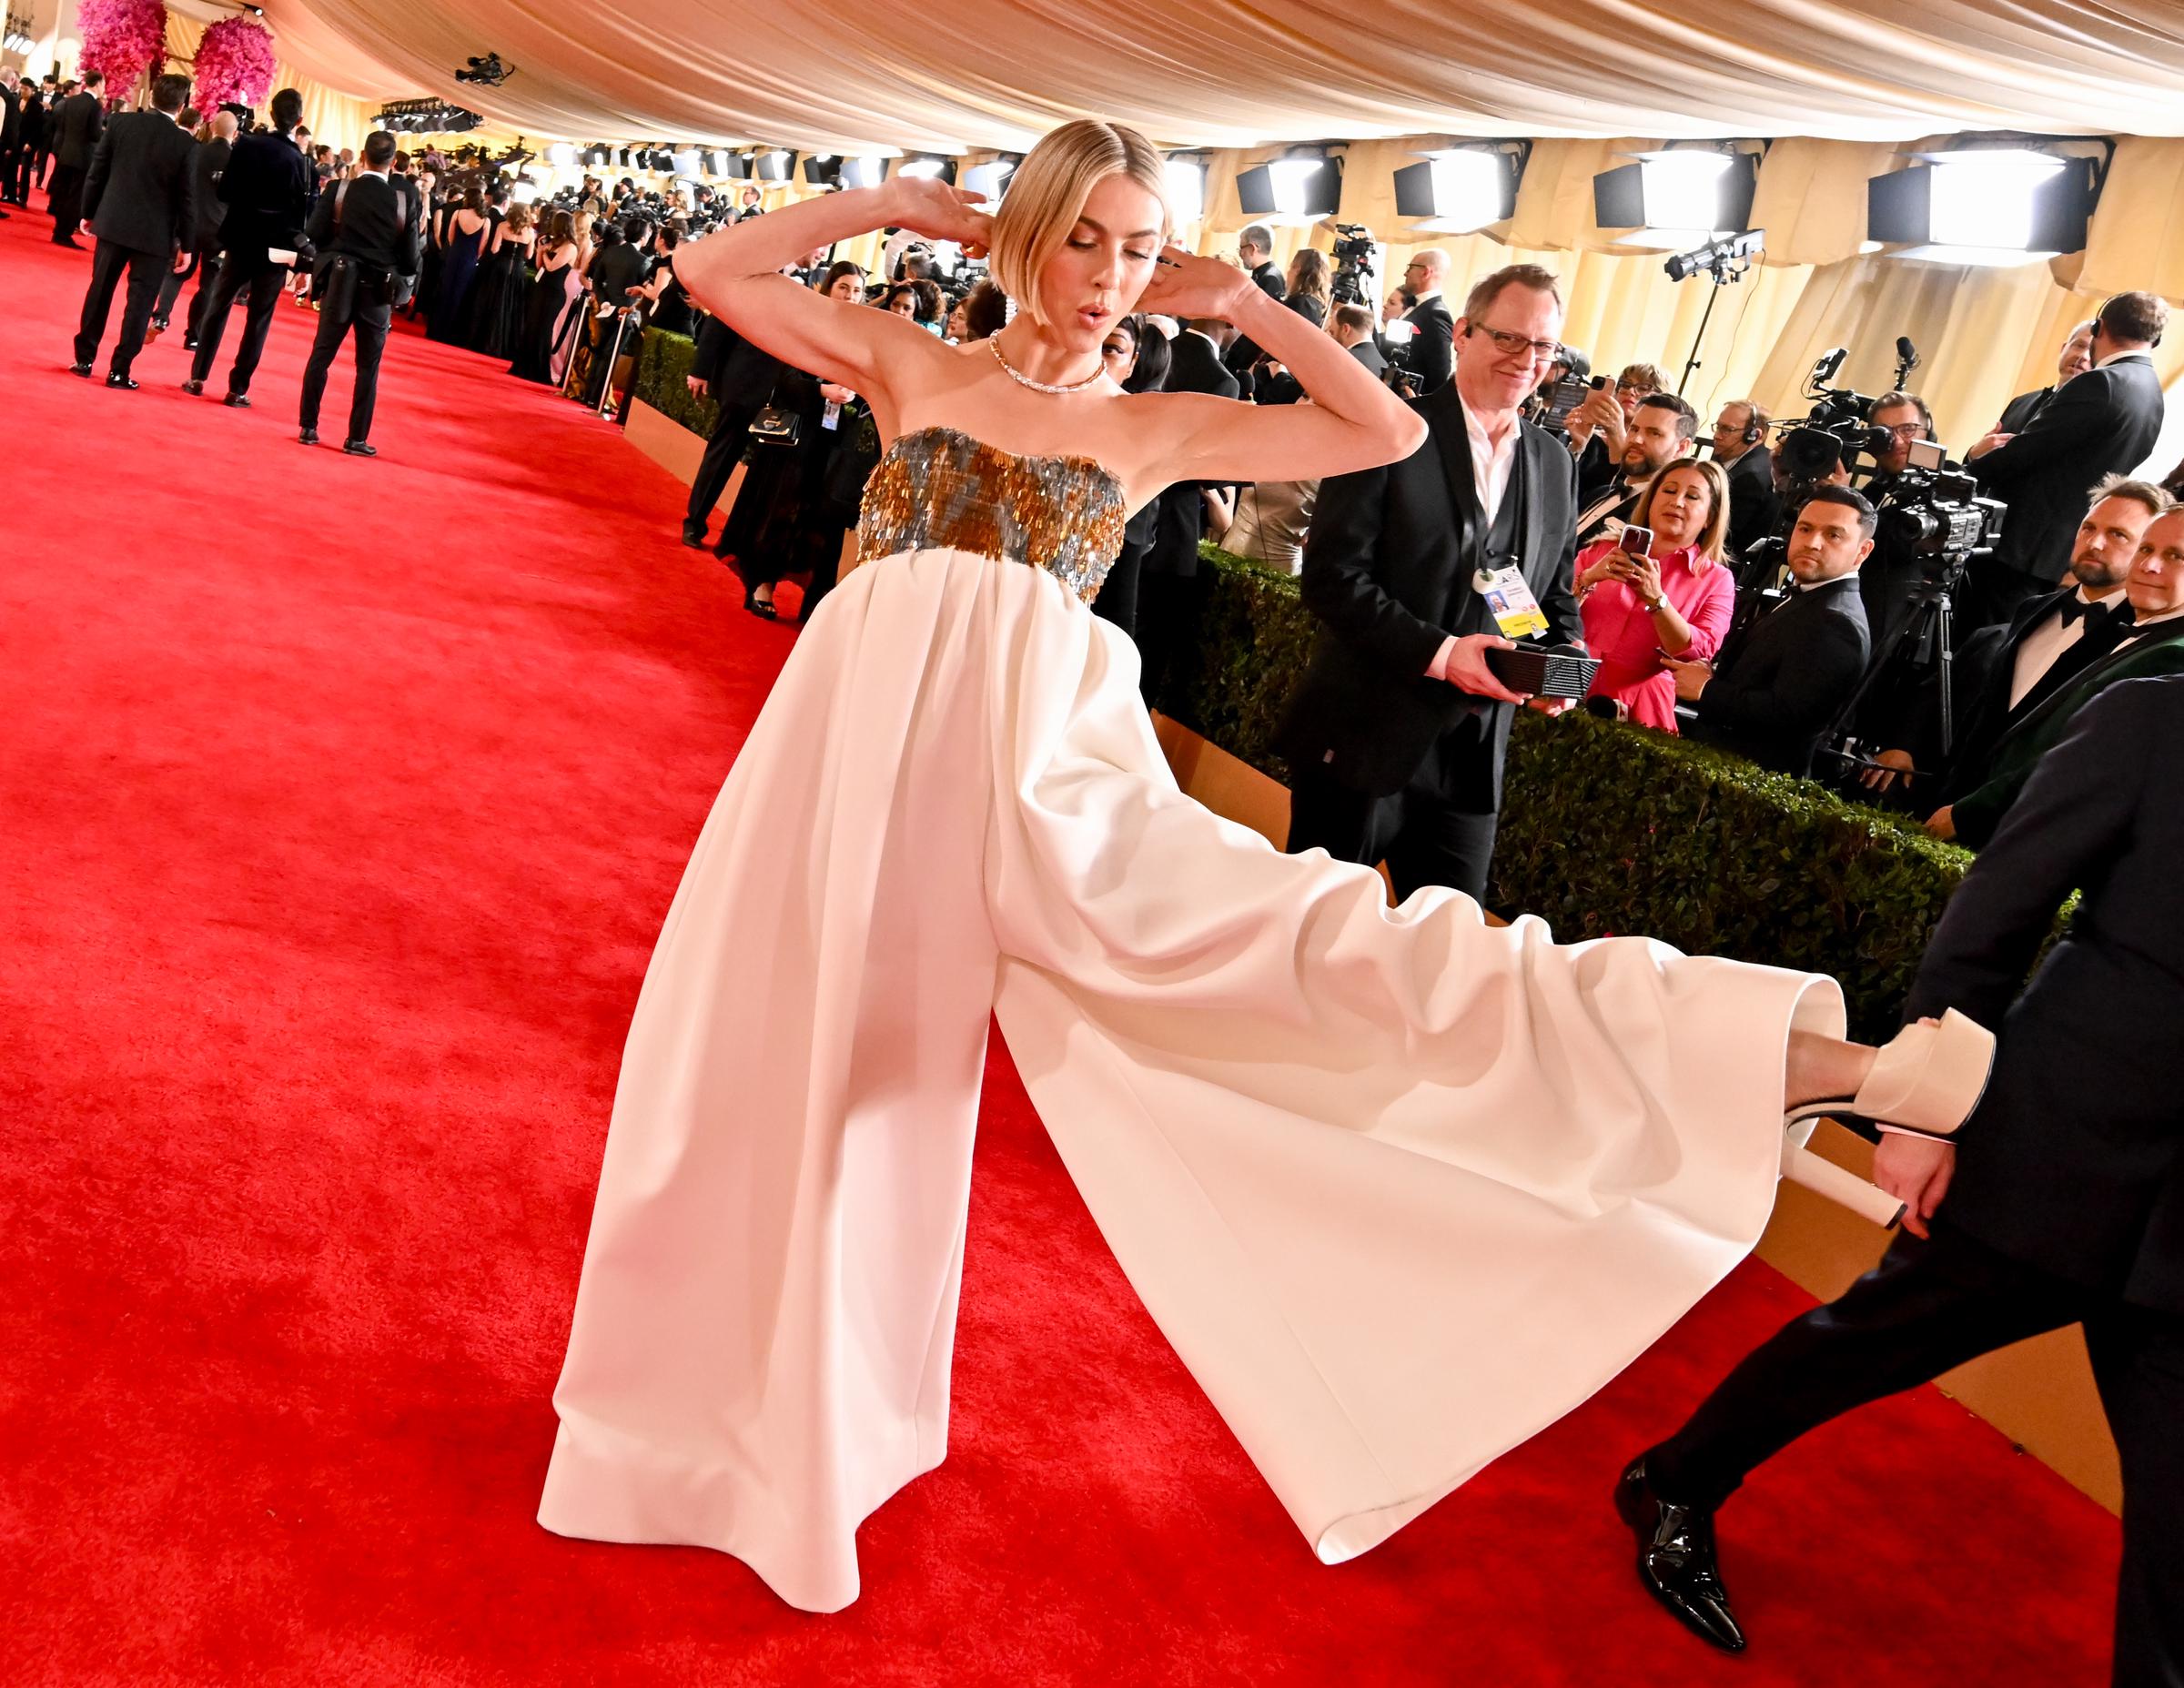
937,488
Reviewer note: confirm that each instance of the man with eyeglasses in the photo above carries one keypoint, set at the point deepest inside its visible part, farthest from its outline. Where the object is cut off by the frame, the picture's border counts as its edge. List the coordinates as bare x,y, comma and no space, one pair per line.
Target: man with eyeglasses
1599,426
1415,572
1428,355
1886,581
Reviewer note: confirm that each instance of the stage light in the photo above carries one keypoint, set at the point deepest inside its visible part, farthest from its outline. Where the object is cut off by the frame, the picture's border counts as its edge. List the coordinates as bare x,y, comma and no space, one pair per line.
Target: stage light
770,165
1291,190
1459,191
1991,207
1676,200
990,178
823,169
1186,180
863,172
562,155
685,162
928,167
523,191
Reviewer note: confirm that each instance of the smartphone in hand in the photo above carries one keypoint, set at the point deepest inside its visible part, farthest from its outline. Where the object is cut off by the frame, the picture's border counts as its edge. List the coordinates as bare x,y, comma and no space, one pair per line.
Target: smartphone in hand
1635,540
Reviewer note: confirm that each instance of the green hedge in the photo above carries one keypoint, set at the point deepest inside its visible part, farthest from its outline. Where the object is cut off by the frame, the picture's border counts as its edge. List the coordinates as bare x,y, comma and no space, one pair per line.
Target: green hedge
1607,828
663,381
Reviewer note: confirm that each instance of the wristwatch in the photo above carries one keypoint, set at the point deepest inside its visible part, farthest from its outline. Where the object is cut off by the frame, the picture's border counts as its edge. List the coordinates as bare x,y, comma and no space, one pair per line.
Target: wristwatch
1654,606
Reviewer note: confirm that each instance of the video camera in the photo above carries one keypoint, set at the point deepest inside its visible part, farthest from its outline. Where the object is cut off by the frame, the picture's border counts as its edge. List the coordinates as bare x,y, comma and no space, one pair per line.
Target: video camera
1353,255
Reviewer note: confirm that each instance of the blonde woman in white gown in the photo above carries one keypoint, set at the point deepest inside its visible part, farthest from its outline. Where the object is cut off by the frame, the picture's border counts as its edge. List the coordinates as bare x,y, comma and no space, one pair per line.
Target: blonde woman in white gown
1401,1187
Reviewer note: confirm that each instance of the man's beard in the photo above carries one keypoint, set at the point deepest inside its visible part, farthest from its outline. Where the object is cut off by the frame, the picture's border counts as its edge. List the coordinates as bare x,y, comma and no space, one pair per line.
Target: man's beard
2092,572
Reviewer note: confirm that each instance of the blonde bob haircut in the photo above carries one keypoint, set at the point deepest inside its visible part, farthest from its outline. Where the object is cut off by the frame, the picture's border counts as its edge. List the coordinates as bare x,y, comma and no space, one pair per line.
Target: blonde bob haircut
1716,534
1047,196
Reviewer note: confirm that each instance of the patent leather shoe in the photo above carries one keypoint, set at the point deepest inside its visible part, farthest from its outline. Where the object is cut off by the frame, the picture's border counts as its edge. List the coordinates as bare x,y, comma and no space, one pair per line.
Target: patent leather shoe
237,401
1676,1560
357,448
760,607
694,538
192,386
308,436
84,370
115,377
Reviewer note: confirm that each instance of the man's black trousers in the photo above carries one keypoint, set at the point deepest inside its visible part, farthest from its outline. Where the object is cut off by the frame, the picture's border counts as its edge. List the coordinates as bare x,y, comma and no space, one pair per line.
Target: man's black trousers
1929,1307
369,322
144,270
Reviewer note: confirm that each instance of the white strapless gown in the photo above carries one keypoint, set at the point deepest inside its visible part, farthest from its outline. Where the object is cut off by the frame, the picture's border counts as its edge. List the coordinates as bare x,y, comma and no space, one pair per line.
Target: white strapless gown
1401,1187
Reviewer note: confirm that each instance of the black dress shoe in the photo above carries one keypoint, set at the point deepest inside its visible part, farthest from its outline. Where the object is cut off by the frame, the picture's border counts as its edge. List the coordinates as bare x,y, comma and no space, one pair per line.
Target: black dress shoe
189,342
83,369
115,377
192,386
357,448
74,245
759,607
694,538
237,401
1676,1560
309,436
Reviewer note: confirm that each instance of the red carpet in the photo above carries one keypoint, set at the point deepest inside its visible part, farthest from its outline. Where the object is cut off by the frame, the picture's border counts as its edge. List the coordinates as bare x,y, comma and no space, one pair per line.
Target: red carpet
342,802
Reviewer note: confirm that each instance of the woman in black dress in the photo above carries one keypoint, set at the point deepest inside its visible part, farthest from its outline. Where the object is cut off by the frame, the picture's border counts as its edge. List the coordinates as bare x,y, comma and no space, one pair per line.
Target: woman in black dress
497,304
546,300
464,240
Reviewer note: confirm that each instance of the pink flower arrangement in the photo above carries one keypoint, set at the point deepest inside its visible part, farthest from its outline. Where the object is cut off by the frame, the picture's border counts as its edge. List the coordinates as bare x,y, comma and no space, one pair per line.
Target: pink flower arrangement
122,39
235,63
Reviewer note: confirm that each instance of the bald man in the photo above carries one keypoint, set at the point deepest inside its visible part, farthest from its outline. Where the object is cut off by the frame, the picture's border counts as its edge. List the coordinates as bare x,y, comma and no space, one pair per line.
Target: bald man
1428,355
210,162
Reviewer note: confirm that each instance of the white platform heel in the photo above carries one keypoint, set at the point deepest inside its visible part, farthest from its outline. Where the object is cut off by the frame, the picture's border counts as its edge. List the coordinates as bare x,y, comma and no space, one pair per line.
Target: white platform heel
1924,1083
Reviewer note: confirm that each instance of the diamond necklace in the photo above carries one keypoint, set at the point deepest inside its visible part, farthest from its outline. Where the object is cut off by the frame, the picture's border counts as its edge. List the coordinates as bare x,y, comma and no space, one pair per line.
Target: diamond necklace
1015,374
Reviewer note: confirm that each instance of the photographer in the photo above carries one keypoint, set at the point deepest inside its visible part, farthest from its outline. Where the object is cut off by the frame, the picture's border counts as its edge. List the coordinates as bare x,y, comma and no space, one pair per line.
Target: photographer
2102,423
1427,356
1784,676
1661,428
1598,425
615,275
369,231
1894,570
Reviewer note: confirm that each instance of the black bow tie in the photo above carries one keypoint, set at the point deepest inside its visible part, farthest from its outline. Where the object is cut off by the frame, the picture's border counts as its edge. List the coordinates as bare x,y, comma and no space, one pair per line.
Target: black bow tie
2072,607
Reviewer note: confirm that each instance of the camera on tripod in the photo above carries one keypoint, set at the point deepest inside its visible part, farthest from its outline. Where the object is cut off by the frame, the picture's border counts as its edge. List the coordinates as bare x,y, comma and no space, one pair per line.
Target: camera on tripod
1353,258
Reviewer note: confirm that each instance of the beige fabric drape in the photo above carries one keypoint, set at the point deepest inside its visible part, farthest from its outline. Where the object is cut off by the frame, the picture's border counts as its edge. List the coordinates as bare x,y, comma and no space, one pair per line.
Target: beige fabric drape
998,73
338,116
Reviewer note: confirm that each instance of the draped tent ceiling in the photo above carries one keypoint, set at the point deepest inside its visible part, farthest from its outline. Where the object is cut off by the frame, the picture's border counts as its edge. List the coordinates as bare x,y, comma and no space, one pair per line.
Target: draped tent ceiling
959,75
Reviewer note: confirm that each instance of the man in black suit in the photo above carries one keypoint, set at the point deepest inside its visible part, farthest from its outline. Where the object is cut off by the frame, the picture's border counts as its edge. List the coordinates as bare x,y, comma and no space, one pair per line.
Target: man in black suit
615,274
1782,679
1255,252
2060,1201
368,231
76,126
1396,736
2103,423
1740,447
140,195
1167,579
1427,356
1351,327
11,135
31,152
738,377
206,165
267,189
2074,360
2152,645
2003,673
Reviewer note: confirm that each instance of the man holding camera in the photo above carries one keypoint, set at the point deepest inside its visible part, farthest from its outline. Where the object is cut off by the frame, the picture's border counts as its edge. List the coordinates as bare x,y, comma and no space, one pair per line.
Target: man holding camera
368,231
2103,422
1784,675
1893,570
1416,571
1599,425
1428,355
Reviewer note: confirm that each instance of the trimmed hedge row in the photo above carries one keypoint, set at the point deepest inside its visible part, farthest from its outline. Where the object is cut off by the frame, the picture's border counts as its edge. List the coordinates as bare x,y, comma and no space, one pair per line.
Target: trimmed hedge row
1605,828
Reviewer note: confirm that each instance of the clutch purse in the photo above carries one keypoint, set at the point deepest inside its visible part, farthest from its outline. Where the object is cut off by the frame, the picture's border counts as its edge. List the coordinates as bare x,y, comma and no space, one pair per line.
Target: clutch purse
775,425
1544,670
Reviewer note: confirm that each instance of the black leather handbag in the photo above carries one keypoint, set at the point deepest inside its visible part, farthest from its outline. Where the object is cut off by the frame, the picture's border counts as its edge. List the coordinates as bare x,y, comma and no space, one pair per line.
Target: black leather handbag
775,425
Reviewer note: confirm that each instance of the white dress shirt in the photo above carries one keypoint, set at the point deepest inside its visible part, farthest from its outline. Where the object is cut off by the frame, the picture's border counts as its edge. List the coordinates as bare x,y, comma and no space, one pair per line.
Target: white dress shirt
1492,463
2041,648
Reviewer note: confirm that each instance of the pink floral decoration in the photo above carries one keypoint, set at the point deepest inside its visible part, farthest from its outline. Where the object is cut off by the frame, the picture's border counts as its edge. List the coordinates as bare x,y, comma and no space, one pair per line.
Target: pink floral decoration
234,63
122,39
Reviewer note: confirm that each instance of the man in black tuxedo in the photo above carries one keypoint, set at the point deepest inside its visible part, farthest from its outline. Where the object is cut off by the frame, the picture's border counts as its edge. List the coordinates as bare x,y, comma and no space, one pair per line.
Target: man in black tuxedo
2102,423
2074,360
267,189
1396,736
2152,645
140,195
11,135
1255,252
31,152
206,165
2001,674
1662,427
1167,579
76,126
1740,447
1783,677
738,377
2060,1201
1428,357
368,231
